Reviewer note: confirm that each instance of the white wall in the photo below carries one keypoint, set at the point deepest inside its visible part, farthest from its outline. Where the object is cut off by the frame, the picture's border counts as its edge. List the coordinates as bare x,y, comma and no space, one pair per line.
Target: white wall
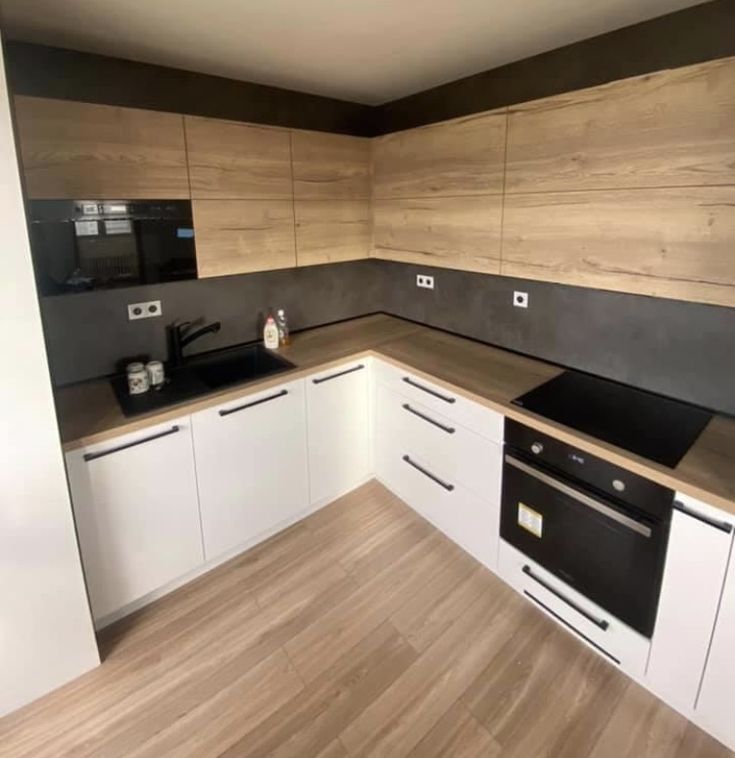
46,634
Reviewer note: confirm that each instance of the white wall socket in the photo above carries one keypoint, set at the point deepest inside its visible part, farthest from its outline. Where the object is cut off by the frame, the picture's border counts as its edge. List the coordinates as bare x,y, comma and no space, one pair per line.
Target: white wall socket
427,282
151,309
520,299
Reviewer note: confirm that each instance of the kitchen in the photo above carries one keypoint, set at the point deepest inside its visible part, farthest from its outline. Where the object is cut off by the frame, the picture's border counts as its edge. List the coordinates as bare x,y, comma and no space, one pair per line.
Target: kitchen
473,491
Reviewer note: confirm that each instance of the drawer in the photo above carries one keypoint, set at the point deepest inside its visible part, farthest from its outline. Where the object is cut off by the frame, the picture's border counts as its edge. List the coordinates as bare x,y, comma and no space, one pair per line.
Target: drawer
458,454
468,520
617,642
474,416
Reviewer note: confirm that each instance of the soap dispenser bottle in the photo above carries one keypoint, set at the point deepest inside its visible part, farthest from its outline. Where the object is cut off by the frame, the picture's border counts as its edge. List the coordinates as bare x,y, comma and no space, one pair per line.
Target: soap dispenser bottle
270,333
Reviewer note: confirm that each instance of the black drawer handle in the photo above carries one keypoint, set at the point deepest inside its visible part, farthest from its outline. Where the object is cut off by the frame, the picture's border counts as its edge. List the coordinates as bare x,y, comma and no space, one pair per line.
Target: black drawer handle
418,386
228,411
723,526
604,625
433,477
447,429
338,374
103,453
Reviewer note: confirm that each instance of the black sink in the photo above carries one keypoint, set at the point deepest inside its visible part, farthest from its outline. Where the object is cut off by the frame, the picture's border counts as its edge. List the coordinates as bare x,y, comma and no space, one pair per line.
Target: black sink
202,374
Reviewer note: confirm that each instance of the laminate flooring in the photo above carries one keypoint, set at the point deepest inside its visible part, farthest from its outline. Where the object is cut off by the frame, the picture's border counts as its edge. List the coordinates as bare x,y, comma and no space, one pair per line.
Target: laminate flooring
360,631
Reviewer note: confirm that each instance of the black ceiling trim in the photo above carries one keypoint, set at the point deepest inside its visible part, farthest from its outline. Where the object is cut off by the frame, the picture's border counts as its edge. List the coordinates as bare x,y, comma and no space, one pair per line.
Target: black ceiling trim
693,35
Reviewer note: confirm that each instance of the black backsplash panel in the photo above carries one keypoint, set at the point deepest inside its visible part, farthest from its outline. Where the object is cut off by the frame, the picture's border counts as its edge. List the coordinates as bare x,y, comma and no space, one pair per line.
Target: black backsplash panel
683,350
87,334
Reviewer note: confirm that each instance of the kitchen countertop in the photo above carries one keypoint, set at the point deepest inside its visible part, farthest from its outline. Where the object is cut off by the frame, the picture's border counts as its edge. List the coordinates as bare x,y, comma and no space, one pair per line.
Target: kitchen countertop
89,412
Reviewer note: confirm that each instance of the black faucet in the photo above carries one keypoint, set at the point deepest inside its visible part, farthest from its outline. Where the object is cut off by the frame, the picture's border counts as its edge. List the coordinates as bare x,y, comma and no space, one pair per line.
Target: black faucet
178,340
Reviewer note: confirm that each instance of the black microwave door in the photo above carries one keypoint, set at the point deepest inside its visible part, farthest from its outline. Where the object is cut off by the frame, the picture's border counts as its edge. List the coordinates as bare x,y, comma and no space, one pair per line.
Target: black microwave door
55,256
609,562
166,250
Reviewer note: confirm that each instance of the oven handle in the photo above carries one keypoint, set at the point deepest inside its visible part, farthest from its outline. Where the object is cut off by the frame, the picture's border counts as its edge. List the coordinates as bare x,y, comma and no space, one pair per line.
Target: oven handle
580,497
604,625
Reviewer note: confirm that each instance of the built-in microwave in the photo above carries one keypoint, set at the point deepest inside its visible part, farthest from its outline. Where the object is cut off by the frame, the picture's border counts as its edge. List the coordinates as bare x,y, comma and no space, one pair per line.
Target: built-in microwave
81,245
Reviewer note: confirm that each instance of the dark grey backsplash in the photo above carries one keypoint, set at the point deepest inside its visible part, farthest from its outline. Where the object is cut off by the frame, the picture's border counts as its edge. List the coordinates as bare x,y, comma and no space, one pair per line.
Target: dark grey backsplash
87,334
684,350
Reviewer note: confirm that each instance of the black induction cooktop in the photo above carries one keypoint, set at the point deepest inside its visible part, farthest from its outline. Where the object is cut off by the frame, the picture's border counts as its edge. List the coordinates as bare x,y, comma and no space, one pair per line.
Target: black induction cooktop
649,425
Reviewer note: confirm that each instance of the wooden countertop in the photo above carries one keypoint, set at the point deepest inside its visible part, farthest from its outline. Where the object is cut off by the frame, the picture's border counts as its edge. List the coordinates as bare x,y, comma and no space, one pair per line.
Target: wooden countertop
89,413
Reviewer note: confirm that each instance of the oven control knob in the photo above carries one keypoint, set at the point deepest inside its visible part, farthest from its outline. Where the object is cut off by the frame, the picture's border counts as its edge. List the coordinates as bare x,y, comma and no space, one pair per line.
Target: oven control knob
618,485
537,448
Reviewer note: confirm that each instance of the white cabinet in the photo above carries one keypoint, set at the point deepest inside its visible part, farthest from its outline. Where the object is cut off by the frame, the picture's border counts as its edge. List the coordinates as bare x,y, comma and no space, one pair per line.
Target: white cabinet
717,696
440,455
136,510
251,466
338,423
696,562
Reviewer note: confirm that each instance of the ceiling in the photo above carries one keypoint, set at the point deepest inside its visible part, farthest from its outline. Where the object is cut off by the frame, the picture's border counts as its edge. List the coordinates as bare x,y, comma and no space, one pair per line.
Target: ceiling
367,52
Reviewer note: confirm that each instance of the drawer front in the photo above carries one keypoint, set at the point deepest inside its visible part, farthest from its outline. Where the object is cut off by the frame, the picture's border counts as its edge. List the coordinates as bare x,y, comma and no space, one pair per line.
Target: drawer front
592,624
458,454
479,419
468,520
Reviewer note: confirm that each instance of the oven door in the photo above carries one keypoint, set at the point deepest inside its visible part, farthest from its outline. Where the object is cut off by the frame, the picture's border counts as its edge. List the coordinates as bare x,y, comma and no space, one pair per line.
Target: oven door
609,554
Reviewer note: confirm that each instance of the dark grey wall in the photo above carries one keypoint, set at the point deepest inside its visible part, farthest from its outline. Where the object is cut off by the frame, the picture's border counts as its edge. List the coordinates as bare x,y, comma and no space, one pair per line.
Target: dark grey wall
87,334
692,35
684,350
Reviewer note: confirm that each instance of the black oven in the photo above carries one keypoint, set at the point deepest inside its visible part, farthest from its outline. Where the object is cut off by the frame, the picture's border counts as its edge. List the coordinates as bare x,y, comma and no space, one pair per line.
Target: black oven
596,526
81,245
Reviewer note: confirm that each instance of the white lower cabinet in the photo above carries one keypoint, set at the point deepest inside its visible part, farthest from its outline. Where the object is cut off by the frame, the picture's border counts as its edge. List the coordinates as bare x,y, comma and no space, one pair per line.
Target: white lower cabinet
716,701
696,562
251,464
337,402
136,511
449,473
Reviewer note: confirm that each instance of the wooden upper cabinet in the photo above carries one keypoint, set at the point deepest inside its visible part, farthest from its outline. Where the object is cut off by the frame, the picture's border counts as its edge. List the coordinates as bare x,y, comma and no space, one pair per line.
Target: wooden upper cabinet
460,157
73,150
330,166
230,160
668,129
243,236
673,242
449,232
331,231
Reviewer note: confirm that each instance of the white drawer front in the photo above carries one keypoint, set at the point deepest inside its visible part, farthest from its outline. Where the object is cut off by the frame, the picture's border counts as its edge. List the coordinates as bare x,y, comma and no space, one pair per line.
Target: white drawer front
618,643
471,415
458,454
468,520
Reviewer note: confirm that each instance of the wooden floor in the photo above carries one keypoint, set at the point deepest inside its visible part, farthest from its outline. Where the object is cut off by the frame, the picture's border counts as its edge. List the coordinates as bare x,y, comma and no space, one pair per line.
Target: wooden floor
361,631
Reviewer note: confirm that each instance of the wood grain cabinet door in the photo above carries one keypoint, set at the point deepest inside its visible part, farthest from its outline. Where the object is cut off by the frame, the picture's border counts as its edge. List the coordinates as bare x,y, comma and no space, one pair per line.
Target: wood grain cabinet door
449,232
669,129
461,157
675,243
234,161
242,236
331,231
79,150
330,166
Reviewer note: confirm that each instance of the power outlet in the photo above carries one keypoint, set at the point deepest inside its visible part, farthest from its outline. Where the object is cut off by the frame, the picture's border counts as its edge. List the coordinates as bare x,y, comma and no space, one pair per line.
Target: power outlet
520,299
427,282
151,309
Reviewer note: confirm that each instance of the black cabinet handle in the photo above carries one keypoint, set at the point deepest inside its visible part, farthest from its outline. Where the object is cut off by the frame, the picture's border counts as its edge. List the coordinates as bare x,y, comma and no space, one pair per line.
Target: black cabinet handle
430,391
434,478
723,526
93,456
604,625
447,429
228,411
339,373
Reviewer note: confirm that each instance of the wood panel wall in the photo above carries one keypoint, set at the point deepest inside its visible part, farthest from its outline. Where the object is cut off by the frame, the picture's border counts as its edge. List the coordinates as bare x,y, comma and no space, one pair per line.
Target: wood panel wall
628,186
